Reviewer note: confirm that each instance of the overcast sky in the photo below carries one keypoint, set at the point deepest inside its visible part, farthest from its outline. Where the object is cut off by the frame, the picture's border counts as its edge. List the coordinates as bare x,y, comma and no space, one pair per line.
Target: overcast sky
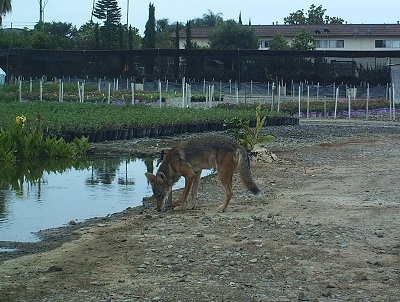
265,12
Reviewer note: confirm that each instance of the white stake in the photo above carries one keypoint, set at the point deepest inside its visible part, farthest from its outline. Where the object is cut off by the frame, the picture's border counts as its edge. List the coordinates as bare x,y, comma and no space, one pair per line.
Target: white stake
279,97
20,91
109,93
133,93
159,89
79,92
59,93
308,101
183,92
212,95
41,90
237,95
83,91
349,105
336,101
299,102
393,99
367,105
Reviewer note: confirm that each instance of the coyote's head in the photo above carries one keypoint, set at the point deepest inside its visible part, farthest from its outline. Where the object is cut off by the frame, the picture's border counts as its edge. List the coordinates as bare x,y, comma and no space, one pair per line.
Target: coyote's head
161,189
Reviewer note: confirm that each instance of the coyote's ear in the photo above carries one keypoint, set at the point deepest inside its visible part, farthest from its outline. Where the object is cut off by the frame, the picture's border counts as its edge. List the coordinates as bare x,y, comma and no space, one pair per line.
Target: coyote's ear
161,176
163,153
151,177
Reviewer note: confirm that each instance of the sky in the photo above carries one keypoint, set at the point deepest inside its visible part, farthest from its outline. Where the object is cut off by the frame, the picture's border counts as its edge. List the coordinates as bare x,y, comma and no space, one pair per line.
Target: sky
25,13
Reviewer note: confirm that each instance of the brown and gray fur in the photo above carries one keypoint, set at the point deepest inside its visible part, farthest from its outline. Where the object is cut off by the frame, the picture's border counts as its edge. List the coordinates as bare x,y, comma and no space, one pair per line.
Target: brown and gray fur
188,158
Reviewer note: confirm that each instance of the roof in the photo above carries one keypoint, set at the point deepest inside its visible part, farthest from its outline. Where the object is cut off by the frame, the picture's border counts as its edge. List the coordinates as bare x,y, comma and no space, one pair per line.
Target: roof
2,72
315,30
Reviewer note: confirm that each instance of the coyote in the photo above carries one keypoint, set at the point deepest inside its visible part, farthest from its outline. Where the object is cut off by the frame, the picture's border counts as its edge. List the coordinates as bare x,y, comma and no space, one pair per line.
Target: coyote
189,157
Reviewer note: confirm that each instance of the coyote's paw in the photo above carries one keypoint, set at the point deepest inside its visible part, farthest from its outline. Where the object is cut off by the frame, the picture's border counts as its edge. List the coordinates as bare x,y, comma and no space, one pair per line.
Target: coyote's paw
178,208
221,208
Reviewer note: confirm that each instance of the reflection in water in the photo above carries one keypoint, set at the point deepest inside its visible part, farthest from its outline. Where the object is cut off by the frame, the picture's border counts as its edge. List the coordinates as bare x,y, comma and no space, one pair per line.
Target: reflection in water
38,195
15,175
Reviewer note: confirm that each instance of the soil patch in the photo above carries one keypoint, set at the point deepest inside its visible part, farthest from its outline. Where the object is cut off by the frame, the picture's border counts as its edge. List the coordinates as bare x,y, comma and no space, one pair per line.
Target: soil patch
326,229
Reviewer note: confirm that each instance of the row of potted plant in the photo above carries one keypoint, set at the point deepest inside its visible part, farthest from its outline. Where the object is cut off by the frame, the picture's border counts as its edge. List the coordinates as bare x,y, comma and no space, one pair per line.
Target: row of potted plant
78,119
73,93
329,106
203,98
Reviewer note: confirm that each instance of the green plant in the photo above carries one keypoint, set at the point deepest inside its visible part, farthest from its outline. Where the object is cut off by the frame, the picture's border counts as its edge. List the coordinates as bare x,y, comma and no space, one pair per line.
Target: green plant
245,135
23,141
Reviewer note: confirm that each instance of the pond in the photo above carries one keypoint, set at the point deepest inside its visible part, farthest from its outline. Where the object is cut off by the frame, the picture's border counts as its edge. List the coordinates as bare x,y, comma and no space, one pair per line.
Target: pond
37,196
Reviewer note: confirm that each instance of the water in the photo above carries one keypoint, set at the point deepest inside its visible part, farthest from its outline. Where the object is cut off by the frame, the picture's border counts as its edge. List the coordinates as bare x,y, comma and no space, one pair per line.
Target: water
59,195
40,195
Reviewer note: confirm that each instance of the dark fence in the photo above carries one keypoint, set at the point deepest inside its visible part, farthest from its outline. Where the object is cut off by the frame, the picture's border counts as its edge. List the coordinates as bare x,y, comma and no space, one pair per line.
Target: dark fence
240,66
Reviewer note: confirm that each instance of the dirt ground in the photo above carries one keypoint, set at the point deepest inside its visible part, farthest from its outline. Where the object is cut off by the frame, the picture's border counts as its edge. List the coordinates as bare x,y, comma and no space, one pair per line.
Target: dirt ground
326,229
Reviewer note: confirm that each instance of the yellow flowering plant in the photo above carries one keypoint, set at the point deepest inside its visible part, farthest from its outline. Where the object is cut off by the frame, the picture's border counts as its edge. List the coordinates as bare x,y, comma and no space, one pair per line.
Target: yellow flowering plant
21,120
23,141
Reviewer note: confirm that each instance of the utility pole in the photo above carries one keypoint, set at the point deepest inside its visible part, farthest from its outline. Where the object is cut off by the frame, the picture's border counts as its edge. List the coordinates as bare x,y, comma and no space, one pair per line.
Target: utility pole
94,4
127,14
41,12
41,9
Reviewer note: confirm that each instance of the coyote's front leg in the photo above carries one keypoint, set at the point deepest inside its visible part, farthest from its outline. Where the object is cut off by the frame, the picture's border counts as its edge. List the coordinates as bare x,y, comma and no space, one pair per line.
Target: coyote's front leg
195,189
189,178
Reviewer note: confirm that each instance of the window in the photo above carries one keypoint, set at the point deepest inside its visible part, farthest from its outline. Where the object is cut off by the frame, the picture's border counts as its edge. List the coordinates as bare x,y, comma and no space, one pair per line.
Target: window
329,43
264,43
387,43
382,44
396,44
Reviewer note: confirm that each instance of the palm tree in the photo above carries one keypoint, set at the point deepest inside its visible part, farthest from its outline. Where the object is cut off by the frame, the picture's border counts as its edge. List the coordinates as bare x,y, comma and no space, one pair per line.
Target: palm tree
5,8
212,19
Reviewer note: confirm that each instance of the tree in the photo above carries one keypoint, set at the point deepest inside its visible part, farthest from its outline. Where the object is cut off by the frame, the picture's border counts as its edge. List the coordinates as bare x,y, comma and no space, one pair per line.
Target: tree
279,42
15,39
109,11
232,35
212,19
303,41
163,33
149,39
176,58
5,8
53,35
189,43
315,15
297,17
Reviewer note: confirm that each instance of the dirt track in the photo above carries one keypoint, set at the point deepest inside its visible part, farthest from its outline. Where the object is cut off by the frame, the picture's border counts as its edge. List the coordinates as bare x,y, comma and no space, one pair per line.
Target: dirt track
326,229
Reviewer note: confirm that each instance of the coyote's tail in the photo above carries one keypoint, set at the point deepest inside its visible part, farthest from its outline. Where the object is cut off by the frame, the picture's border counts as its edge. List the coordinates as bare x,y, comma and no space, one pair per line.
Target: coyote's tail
245,173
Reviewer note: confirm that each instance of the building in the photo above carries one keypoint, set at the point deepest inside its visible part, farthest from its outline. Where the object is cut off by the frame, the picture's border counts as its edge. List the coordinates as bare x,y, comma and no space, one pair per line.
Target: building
2,77
365,37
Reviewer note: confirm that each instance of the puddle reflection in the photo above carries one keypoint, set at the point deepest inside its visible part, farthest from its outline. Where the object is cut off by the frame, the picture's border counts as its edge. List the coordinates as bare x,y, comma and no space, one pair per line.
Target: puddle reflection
41,195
